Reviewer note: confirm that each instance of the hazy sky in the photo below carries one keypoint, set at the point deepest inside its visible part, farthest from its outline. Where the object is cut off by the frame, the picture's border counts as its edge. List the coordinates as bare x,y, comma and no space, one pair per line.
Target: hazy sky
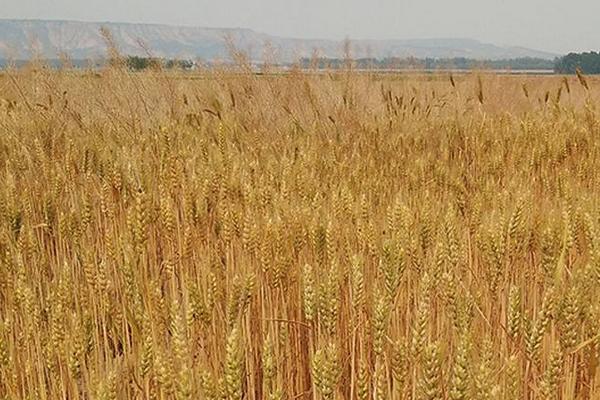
552,25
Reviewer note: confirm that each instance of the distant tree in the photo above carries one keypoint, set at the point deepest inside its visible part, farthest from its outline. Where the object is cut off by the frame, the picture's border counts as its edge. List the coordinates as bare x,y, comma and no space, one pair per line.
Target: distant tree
136,63
179,64
588,63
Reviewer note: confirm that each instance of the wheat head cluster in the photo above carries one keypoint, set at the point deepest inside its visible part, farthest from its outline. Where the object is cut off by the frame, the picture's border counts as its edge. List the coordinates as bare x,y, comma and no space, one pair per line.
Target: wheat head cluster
232,235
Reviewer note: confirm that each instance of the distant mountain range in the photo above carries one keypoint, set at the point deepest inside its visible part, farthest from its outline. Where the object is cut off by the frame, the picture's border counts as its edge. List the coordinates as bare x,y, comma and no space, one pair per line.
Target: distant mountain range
19,39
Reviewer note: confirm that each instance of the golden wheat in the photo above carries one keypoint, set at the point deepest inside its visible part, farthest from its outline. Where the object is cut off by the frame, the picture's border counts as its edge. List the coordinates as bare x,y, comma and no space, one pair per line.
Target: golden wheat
226,235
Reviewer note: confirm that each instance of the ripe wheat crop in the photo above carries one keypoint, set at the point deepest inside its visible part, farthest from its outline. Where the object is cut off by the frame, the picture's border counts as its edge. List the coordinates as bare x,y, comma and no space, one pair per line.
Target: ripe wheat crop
228,235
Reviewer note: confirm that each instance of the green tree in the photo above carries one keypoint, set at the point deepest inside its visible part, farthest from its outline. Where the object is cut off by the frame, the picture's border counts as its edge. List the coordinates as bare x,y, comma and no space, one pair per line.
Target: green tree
588,63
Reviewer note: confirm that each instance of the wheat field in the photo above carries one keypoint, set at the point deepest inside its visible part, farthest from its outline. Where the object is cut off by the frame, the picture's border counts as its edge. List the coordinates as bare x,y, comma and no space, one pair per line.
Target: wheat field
229,235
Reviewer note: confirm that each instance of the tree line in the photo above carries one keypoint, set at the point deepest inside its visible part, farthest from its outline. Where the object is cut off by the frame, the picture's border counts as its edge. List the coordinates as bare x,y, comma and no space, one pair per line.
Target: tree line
137,63
459,63
588,63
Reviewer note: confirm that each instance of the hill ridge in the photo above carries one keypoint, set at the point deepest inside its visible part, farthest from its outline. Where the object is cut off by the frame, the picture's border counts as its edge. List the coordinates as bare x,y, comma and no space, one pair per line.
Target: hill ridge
20,38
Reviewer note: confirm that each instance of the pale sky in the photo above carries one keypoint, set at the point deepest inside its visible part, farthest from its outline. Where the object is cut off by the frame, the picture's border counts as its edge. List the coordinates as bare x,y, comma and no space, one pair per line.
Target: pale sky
552,25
